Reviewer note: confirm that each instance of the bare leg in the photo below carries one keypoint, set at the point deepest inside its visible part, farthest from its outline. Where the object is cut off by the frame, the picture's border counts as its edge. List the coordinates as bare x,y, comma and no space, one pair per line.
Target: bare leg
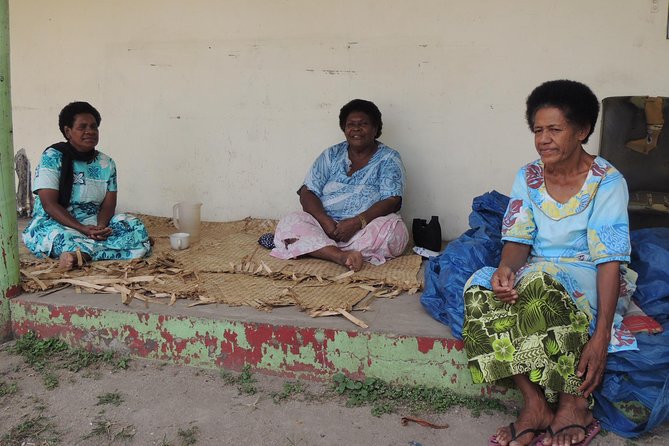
350,259
534,415
68,260
571,410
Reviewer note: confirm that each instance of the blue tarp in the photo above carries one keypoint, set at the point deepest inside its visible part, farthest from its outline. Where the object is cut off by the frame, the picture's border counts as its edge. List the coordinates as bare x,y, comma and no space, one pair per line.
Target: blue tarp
635,375
446,274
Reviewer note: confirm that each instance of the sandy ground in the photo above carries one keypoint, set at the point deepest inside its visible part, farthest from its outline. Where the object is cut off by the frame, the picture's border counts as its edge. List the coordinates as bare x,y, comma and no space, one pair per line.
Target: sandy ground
169,405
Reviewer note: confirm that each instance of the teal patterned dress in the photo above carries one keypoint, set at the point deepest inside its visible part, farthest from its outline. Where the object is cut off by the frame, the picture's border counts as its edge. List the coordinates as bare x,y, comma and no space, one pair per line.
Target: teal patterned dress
44,236
542,335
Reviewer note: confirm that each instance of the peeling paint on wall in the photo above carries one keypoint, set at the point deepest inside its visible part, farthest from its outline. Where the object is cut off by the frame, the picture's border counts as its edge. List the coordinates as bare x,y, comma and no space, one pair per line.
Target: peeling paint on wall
284,350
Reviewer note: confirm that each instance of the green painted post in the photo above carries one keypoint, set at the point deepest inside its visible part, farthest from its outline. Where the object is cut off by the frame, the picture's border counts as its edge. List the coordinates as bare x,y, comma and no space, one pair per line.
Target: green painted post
9,248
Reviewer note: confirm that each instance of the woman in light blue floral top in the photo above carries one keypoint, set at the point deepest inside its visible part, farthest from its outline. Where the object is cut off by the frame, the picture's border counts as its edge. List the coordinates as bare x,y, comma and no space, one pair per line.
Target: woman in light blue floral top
350,198
76,192
550,313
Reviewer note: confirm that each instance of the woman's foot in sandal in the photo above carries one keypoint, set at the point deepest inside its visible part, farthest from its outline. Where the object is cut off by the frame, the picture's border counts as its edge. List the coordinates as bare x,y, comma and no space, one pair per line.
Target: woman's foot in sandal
534,417
532,421
571,423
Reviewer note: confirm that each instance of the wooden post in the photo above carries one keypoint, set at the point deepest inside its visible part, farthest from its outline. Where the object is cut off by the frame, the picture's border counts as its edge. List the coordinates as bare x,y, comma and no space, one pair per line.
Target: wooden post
9,248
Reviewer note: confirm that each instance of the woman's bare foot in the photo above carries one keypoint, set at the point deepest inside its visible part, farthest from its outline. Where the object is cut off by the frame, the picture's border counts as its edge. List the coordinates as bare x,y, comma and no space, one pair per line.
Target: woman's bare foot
573,410
353,260
68,260
350,259
532,419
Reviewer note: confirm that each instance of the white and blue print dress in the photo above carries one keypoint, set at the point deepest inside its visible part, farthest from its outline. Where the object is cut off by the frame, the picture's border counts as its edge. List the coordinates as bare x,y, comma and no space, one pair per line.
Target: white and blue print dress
44,236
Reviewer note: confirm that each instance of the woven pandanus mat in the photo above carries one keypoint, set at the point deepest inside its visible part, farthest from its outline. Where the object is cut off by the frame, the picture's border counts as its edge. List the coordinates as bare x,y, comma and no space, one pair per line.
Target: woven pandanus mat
401,273
227,266
233,247
214,254
264,292
164,226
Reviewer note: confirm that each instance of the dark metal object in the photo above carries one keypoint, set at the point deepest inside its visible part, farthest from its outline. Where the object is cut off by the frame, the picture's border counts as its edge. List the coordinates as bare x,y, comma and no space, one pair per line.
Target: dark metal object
647,175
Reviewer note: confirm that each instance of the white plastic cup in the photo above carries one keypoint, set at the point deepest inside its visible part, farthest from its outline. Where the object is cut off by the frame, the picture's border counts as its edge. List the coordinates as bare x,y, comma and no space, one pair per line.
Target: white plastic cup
180,240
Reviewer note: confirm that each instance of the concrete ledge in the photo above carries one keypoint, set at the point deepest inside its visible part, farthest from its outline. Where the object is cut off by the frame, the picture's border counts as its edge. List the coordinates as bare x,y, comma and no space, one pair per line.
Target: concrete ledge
403,344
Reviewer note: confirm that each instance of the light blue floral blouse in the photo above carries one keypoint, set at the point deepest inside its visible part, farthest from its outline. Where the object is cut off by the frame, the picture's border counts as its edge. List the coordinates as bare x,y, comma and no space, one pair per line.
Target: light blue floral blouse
346,196
570,239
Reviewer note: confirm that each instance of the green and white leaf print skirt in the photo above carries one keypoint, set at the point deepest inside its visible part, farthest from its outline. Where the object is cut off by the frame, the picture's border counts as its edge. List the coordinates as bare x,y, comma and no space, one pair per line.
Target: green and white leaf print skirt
541,335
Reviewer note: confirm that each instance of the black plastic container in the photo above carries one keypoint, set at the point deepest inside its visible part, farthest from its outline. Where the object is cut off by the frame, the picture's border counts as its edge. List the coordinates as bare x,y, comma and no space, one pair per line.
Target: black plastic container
427,235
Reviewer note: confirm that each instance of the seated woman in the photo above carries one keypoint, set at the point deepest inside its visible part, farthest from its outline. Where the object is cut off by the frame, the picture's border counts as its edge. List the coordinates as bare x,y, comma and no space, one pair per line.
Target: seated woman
349,198
76,199
548,315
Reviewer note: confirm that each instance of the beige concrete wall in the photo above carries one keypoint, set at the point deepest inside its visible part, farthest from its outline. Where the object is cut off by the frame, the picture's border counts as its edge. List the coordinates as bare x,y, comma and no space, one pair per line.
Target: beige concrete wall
229,102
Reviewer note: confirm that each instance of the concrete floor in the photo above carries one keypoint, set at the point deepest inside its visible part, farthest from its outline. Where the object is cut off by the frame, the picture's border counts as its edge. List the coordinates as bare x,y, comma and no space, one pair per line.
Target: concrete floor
403,343
402,315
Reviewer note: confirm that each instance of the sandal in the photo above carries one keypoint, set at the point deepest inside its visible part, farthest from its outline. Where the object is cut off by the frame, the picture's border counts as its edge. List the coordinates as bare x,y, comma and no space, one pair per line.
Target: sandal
591,431
514,436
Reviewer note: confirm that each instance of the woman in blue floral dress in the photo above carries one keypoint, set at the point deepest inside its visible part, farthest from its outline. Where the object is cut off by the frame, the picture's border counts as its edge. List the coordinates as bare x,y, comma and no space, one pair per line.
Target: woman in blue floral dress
350,198
550,313
76,193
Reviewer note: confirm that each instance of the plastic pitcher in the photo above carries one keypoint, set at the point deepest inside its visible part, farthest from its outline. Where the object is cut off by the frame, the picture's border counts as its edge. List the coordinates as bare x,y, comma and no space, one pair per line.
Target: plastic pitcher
186,216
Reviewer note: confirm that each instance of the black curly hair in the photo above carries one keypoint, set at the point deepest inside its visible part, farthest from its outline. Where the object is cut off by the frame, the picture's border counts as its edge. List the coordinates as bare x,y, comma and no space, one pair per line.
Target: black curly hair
577,102
366,107
70,111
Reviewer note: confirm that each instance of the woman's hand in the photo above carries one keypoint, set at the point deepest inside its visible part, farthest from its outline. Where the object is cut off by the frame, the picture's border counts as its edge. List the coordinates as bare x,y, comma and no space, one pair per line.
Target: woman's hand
592,364
96,232
329,226
514,256
502,282
311,204
593,357
346,229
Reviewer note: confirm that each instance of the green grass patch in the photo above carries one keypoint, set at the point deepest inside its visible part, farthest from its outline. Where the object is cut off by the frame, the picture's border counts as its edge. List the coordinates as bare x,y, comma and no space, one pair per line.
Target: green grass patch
110,431
290,388
245,381
37,352
47,355
34,430
386,398
228,377
188,437
49,379
113,398
7,389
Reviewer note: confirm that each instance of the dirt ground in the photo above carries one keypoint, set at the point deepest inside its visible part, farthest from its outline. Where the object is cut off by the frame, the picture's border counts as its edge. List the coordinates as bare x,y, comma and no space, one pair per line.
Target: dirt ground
151,403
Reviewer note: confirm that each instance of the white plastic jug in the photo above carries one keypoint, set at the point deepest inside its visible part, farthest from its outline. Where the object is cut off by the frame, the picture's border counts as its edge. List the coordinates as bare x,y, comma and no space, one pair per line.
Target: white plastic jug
186,216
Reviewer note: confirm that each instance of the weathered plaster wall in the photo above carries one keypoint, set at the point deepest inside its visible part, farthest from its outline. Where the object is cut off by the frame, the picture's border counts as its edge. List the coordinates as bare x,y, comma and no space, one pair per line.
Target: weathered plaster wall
229,102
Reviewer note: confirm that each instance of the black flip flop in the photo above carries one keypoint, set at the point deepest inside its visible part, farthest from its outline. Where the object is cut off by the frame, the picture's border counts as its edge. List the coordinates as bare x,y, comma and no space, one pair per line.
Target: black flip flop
514,436
591,431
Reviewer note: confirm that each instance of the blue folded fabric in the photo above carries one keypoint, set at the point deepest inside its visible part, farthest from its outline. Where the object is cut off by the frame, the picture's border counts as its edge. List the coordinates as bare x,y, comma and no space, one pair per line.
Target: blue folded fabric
446,274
